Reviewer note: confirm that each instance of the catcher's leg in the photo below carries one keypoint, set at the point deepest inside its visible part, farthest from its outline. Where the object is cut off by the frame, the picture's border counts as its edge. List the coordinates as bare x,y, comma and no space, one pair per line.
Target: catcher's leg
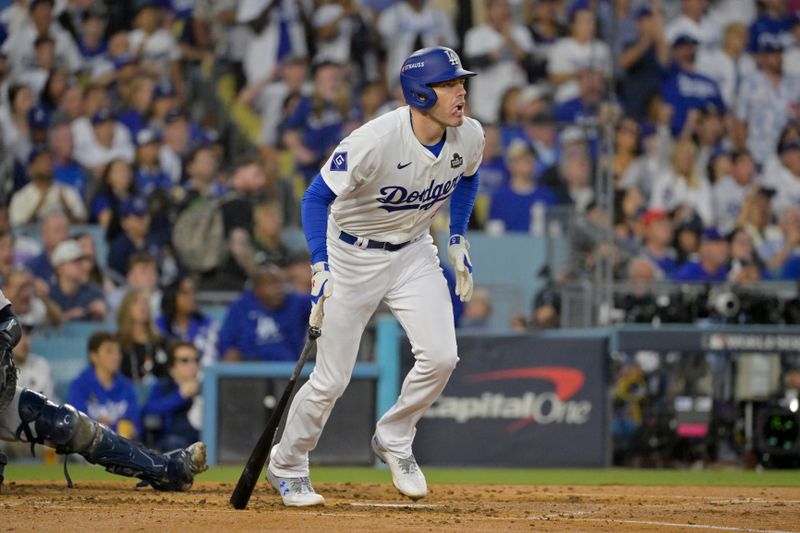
70,431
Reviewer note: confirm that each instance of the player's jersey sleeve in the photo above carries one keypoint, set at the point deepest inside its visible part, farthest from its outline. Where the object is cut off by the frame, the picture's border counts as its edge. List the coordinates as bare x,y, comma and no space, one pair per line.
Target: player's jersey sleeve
476,141
352,162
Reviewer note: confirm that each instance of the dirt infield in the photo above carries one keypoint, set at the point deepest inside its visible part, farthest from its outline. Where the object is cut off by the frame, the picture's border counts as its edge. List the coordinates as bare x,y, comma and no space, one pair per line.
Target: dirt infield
117,506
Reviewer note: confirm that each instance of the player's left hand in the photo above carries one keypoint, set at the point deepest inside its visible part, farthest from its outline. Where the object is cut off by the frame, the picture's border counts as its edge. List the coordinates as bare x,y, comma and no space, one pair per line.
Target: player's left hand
458,253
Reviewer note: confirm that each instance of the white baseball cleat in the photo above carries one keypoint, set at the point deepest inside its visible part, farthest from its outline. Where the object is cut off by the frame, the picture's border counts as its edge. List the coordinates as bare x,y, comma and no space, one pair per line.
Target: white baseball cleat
295,491
406,474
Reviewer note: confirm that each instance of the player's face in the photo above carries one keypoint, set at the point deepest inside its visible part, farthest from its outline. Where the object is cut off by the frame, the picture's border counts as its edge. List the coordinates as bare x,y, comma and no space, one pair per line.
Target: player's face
450,101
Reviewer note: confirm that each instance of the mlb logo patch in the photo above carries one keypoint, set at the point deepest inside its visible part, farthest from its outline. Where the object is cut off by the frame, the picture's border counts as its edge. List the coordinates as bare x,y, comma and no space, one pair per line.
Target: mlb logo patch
339,161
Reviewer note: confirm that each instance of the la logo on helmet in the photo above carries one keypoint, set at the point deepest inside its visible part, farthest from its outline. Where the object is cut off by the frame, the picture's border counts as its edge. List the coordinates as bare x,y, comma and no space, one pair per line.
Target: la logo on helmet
453,57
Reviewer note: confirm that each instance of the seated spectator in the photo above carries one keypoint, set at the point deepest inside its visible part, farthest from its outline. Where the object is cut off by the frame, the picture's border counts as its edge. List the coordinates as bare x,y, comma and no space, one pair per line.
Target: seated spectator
627,148
65,169
683,185
202,174
729,64
744,259
589,107
266,323
642,271
688,228
35,76
267,242
54,230
137,107
176,145
478,311
493,168
755,216
72,291
712,265
14,123
574,173
174,406
143,354
43,196
96,273
108,140
786,178
512,205
148,174
779,246
135,237
102,392
34,370
31,296
658,236
729,192
142,274
180,319
116,186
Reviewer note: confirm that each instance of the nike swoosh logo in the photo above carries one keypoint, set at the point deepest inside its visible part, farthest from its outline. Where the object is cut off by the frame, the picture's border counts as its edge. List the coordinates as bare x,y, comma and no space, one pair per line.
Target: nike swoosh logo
401,167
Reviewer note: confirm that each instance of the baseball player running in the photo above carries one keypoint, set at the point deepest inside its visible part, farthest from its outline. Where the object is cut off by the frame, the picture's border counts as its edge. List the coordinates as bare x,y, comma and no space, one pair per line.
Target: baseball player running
384,184
27,415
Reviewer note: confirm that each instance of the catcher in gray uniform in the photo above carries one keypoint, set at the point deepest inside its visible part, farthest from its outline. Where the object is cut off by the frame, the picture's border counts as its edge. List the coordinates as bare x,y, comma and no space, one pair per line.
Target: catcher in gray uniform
28,416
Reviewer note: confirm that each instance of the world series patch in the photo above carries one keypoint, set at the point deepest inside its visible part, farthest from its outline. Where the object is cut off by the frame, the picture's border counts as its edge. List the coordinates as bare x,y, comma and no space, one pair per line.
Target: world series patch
339,161
457,161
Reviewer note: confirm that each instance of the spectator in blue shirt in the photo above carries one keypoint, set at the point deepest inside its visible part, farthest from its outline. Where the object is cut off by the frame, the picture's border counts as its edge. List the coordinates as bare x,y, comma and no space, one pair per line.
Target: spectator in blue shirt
685,90
643,60
320,121
102,392
148,174
513,203
71,290
135,237
587,109
712,265
173,409
137,109
54,231
65,169
493,169
265,323
181,320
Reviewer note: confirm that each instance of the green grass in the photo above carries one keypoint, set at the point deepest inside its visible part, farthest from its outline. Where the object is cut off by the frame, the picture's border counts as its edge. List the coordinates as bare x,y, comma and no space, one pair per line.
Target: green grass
610,476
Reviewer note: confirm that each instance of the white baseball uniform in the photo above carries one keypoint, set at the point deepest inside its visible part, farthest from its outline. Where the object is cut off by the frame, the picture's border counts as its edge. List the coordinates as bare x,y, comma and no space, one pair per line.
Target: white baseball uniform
388,188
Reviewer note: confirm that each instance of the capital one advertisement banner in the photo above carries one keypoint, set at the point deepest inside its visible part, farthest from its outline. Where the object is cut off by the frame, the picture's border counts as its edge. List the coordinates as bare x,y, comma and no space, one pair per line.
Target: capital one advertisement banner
519,401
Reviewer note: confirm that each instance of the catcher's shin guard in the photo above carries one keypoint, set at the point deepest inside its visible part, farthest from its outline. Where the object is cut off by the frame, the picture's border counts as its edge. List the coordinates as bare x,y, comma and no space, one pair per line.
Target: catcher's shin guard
70,431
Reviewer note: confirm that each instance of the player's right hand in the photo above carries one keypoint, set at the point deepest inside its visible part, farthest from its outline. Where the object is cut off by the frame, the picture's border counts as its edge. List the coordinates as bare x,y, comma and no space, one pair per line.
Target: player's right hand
321,289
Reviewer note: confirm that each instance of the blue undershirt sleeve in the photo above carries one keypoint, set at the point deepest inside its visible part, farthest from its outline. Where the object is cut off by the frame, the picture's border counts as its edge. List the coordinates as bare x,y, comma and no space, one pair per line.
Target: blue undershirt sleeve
461,203
314,211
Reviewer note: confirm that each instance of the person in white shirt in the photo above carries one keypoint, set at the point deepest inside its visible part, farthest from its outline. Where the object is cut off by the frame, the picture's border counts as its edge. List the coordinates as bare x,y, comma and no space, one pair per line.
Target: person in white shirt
280,35
730,191
729,64
682,185
154,45
499,51
791,56
578,52
14,125
110,140
412,24
786,178
43,196
694,21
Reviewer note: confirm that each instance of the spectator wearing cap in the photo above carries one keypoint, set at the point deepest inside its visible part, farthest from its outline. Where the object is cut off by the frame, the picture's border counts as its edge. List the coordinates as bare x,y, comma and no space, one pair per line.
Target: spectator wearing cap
683,184
713,261
176,144
512,205
688,228
321,120
66,169
729,64
20,47
695,22
135,237
135,114
14,122
729,192
786,178
579,51
148,174
658,237
643,59
154,45
266,323
110,140
409,25
500,51
768,100
685,90
43,195
39,123
53,231
72,291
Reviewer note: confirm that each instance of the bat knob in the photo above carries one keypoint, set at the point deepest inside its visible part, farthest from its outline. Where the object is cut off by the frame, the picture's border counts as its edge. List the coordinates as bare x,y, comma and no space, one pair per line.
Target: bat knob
314,332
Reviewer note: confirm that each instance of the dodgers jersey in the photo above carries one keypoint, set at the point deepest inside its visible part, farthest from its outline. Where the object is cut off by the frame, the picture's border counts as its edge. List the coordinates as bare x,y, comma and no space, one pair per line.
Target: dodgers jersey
388,186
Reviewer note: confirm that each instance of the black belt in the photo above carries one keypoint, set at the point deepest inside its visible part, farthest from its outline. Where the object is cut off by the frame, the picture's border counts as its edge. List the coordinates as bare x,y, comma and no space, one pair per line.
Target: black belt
367,243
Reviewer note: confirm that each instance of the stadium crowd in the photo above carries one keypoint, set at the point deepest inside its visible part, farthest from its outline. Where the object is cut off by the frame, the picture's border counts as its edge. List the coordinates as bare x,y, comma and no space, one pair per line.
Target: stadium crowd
110,146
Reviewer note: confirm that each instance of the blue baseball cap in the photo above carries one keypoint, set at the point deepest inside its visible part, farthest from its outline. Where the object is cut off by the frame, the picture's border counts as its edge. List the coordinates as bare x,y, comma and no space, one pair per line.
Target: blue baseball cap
102,115
642,11
174,114
712,234
38,118
768,42
134,206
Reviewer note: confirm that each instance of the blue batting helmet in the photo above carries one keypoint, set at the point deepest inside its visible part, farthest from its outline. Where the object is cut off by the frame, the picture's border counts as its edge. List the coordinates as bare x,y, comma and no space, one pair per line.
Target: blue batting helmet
425,67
